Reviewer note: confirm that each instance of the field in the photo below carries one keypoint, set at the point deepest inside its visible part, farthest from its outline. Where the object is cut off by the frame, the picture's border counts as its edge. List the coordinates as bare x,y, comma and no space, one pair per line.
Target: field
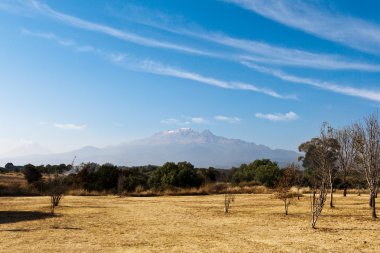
256,223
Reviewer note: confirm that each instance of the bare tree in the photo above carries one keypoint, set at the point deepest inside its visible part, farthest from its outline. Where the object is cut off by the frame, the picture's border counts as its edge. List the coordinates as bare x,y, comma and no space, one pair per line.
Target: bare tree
321,156
120,183
228,199
347,139
283,187
369,142
318,200
55,188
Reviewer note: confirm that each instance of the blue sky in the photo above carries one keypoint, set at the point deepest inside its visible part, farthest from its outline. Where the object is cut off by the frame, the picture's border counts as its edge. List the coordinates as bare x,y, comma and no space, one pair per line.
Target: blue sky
76,73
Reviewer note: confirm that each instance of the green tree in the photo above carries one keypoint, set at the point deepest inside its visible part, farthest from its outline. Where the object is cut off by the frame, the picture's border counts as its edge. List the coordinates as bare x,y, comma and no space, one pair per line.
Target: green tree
170,174
107,177
9,166
31,173
267,173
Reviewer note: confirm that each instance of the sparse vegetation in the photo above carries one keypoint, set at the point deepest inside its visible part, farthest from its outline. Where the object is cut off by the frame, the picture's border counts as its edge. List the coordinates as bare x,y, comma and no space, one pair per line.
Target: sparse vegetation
335,159
198,224
285,183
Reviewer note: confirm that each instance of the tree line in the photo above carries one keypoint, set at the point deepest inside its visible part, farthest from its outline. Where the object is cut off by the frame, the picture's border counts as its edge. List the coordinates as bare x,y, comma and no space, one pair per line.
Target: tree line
339,158
110,178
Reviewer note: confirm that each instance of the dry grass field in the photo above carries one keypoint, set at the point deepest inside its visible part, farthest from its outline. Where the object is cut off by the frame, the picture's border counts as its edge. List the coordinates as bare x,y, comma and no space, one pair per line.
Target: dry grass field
8,179
256,223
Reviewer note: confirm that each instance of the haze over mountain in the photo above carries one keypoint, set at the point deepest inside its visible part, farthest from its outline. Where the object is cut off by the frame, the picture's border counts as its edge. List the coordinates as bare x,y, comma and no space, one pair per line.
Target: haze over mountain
203,149
30,148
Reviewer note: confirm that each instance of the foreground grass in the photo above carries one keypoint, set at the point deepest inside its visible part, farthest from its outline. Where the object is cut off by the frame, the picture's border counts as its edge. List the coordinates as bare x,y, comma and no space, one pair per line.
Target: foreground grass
256,223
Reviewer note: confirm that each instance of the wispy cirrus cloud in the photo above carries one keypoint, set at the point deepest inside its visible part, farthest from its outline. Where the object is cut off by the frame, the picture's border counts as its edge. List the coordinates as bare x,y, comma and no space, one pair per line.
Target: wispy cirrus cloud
69,126
231,120
113,32
290,116
256,51
363,93
346,30
63,42
157,68
150,66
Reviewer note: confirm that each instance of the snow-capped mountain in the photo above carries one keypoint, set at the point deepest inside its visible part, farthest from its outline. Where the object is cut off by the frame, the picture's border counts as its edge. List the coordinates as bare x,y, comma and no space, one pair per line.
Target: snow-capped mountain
203,149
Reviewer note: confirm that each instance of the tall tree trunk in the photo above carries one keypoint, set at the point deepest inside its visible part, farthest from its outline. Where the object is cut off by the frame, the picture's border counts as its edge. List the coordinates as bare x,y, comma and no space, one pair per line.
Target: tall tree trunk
313,218
345,185
370,199
286,208
298,193
331,196
374,216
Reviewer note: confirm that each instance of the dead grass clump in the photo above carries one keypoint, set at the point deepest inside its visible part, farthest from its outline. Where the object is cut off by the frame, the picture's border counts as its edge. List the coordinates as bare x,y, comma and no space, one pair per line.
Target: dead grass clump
184,191
9,179
304,190
251,190
249,184
83,192
215,188
145,193
15,189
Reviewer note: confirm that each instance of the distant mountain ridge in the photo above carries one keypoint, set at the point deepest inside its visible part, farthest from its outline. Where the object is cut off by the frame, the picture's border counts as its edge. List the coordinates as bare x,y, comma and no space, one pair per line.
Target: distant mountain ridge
203,149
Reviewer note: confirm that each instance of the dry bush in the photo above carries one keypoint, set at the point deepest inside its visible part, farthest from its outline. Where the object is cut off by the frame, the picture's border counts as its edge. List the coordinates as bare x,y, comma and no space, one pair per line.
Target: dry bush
215,188
212,188
184,191
139,189
222,188
146,193
84,192
249,184
299,191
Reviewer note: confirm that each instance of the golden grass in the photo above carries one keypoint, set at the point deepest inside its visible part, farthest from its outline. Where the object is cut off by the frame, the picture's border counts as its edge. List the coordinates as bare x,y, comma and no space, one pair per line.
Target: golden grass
9,179
256,223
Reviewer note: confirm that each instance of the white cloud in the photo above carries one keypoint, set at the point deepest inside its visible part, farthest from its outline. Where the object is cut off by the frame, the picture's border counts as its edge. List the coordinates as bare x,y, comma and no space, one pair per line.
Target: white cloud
231,120
157,68
173,121
113,32
373,95
184,121
69,126
63,42
255,51
117,57
256,47
259,51
199,120
346,30
278,116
